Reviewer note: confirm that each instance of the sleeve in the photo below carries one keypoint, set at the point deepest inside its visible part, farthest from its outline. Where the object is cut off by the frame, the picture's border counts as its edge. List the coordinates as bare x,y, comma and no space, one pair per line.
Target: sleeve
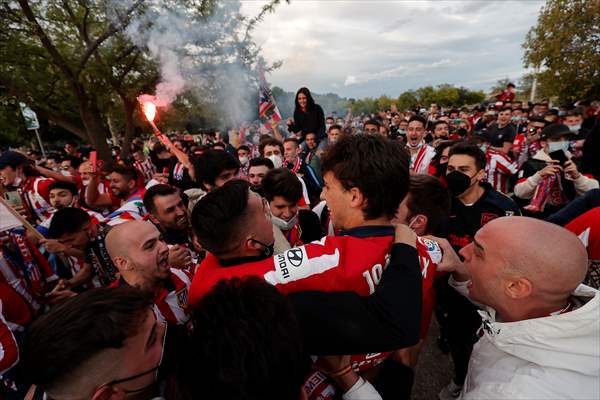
575,208
346,323
525,188
507,166
311,226
44,188
584,184
362,390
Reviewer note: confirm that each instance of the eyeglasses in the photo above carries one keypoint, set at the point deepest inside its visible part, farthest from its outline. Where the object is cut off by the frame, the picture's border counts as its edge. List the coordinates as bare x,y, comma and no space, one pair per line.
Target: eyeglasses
534,129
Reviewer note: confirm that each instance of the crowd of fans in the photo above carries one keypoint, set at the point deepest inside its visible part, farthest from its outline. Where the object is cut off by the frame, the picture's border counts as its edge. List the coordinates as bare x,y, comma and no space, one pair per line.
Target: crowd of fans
306,261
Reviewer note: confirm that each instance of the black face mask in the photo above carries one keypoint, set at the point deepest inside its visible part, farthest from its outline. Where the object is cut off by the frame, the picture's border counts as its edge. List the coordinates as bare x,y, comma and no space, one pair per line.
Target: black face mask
461,132
441,169
458,182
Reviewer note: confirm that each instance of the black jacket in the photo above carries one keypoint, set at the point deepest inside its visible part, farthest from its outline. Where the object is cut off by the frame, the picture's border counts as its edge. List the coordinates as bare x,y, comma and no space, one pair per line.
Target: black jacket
311,121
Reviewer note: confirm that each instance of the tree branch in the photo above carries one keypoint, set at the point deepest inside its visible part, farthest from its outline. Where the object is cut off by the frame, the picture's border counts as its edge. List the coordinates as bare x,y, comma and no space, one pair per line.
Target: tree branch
57,58
111,30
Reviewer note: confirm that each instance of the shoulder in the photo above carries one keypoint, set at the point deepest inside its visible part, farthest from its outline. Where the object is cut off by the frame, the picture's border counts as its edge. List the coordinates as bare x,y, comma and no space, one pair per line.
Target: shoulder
501,201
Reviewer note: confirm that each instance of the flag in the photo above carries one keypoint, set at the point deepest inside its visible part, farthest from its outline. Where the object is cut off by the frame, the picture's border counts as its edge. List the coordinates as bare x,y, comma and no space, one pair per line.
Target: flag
267,109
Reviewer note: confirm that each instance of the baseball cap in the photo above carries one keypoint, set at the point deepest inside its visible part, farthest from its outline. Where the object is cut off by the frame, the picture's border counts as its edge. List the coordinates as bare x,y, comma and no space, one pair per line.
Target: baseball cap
12,158
555,131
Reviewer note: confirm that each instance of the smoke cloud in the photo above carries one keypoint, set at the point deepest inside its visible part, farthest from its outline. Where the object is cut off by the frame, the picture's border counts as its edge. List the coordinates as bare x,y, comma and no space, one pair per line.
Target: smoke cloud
205,55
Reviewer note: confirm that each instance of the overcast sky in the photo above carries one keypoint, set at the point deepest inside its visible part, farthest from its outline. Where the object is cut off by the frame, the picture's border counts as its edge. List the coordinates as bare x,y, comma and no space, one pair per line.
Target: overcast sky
359,48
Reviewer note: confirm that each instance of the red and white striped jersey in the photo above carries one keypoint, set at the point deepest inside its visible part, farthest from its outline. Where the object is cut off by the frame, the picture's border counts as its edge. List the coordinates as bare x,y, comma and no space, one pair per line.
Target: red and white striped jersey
499,168
131,210
171,305
146,169
36,194
419,162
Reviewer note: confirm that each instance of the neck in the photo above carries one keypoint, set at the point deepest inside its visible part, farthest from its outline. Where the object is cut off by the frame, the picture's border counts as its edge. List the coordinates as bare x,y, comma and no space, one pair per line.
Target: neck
472,194
360,221
533,309
144,285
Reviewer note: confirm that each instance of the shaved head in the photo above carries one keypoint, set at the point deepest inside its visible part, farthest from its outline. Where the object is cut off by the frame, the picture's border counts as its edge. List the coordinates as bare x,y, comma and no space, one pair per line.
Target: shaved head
139,252
523,267
122,236
553,258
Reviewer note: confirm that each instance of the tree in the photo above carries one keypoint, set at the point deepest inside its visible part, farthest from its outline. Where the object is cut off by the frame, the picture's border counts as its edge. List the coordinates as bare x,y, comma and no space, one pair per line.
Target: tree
565,46
75,63
407,100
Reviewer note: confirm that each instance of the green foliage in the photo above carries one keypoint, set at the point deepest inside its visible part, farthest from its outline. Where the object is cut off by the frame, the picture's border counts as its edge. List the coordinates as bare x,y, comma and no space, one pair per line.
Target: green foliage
565,46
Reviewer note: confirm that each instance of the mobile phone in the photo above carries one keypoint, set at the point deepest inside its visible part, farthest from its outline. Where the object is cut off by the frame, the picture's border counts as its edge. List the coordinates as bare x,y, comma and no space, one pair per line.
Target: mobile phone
560,156
14,199
94,161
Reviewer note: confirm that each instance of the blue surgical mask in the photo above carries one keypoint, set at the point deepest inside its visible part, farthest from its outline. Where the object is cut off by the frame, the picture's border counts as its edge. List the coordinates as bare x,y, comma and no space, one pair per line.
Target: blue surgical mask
574,128
555,146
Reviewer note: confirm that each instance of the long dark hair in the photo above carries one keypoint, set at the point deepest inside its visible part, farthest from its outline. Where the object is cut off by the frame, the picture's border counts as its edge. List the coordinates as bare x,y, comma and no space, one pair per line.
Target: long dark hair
310,102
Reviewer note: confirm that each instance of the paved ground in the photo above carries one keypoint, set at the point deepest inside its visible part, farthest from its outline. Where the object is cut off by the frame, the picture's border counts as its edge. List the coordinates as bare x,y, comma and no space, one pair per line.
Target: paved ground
434,369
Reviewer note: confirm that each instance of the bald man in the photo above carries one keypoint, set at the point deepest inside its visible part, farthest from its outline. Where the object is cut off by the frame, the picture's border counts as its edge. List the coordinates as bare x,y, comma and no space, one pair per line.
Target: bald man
141,256
541,331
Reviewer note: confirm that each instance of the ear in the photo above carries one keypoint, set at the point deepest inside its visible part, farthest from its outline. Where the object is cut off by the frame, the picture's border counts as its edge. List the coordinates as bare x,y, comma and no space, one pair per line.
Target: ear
132,184
419,224
357,198
152,218
481,174
108,393
121,263
251,245
518,288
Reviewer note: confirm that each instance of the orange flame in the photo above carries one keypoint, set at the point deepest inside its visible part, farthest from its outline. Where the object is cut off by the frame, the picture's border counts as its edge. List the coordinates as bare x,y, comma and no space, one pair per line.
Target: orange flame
149,109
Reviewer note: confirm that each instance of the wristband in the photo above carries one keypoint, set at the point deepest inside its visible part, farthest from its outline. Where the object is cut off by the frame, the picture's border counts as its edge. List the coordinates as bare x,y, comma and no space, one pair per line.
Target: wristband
341,372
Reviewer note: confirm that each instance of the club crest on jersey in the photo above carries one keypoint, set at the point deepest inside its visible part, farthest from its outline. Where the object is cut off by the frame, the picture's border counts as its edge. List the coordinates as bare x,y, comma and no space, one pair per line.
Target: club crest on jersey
487,217
182,297
295,256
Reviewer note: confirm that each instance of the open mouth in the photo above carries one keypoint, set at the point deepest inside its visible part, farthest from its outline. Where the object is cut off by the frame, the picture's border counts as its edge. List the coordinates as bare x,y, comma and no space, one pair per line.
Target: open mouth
163,262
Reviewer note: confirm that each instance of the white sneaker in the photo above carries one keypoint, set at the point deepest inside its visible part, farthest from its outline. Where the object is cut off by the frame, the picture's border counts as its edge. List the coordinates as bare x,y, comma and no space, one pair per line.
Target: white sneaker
450,392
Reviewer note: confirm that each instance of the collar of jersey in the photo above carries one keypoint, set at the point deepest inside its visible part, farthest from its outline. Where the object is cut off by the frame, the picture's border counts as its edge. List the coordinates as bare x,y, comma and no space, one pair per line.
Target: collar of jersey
369,231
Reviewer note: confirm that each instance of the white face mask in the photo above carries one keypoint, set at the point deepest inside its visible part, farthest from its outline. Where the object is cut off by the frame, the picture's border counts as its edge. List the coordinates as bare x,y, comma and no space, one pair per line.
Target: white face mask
277,160
243,160
283,224
574,128
555,146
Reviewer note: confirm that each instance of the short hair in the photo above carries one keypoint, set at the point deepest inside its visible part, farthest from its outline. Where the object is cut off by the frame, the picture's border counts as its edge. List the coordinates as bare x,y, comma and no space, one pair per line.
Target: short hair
282,182
269,141
292,140
67,220
428,196
155,191
128,172
243,147
258,161
218,217
418,118
334,126
72,143
210,164
574,113
70,186
505,109
58,343
441,122
538,119
439,149
510,84
370,163
372,122
469,149
248,338
75,161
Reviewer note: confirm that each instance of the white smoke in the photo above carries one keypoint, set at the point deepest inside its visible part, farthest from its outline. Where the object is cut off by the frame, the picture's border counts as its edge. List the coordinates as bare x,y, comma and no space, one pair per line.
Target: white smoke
201,55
